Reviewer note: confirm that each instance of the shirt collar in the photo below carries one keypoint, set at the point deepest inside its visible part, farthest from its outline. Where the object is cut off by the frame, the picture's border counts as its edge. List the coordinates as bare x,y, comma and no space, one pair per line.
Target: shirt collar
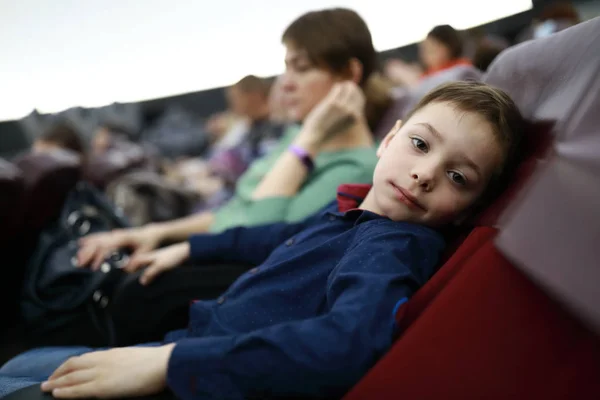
350,196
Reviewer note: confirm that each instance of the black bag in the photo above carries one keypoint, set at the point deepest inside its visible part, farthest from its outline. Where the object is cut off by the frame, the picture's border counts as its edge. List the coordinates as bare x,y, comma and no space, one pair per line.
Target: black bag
57,294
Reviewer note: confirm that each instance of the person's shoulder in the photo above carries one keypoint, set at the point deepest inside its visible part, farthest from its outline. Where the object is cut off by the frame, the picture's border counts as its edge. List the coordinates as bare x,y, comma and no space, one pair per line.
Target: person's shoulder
359,155
397,227
385,232
387,246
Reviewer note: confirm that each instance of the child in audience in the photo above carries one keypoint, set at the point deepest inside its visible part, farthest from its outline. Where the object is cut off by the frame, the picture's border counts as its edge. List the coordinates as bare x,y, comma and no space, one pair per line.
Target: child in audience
440,50
317,312
329,59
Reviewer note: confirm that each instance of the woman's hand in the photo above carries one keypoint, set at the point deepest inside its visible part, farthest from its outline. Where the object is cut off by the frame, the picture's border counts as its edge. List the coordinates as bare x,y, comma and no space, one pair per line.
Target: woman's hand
342,107
121,372
159,261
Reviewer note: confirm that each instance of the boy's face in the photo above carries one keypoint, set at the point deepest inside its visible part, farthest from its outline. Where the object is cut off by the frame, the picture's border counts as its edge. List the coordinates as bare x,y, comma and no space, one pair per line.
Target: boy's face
434,167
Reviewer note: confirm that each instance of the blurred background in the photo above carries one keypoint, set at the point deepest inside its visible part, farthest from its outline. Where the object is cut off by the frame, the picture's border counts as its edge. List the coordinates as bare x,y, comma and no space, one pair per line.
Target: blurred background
132,62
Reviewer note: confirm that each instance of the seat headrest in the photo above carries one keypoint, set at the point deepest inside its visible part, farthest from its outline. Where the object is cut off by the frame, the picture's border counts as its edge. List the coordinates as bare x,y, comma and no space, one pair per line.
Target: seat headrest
12,188
9,173
104,168
552,233
48,179
537,141
548,77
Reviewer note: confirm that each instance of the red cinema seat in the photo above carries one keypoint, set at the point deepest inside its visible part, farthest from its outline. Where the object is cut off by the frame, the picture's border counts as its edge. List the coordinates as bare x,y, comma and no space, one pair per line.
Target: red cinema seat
489,334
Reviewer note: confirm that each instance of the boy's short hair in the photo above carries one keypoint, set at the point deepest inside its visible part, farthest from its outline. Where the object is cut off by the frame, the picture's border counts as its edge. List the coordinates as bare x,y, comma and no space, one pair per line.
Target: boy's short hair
498,109
450,37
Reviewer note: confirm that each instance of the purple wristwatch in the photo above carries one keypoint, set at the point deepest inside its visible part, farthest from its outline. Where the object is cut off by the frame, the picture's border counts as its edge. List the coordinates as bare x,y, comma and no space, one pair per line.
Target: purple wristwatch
304,156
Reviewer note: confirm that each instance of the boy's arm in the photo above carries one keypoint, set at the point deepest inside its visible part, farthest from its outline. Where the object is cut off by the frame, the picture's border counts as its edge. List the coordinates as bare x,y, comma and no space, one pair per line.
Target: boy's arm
321,356
248,245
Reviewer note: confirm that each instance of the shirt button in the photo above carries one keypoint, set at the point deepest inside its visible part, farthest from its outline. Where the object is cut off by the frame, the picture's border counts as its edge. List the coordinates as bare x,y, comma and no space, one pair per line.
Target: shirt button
254,270
221,300
289,242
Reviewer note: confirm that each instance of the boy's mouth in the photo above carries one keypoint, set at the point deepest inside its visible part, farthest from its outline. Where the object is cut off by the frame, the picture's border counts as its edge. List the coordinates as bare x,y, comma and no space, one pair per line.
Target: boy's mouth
405,197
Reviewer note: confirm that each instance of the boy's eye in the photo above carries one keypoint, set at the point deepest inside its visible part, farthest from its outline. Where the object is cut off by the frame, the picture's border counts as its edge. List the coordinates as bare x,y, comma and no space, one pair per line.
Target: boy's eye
457,178
420,144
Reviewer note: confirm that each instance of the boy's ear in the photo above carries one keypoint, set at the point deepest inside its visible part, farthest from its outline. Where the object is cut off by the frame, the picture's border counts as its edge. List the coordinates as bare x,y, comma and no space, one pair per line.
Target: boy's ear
355,68
388,138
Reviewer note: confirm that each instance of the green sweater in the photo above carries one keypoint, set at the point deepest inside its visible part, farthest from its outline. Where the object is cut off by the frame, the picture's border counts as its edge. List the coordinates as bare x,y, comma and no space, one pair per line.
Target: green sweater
331,170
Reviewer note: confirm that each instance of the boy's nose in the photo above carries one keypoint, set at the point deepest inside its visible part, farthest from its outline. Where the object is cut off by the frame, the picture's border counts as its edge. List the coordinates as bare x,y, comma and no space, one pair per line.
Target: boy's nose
424,180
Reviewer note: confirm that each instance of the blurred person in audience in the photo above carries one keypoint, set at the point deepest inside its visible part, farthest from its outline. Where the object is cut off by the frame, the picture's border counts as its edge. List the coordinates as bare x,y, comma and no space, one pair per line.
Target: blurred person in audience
487,49
329,90
251,134
553,18
248,109
441,49
108,136
60,136
225,129
278,111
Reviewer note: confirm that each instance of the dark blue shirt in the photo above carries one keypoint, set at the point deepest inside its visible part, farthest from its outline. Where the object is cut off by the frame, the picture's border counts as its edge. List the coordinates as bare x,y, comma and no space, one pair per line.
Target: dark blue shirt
315,314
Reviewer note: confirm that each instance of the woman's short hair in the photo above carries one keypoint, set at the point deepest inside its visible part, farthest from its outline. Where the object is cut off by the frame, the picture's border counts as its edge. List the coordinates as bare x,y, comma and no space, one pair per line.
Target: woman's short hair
333,37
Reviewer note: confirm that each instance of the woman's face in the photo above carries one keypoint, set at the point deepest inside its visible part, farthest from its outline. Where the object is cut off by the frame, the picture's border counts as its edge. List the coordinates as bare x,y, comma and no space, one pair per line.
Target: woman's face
433,53
304,84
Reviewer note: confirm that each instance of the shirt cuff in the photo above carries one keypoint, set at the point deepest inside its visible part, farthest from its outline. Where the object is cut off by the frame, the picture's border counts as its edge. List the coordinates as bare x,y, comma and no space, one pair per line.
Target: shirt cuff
197,370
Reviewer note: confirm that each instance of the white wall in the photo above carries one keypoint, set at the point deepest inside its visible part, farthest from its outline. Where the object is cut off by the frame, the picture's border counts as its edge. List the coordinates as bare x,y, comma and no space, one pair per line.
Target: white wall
62,53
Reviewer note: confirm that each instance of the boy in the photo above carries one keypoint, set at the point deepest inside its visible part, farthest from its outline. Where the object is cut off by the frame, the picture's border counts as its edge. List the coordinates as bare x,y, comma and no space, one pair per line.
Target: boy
317,313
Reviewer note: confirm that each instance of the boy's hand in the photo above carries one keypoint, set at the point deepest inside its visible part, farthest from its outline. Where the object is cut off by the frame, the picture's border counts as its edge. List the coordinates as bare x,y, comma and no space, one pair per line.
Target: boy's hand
340,109
96,247
121,372
159,261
